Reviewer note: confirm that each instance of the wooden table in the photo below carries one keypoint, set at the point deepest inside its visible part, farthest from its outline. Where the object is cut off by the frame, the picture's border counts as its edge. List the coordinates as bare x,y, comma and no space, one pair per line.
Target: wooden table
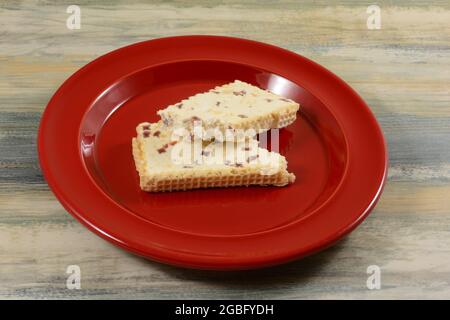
401,70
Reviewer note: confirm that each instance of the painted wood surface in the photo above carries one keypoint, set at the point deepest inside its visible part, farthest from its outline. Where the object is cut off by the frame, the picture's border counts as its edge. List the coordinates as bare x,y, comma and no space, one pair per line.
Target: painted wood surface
402,71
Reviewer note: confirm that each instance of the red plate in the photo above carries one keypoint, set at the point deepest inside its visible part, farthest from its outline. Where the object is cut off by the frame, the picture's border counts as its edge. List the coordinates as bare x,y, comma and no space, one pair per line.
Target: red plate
335,148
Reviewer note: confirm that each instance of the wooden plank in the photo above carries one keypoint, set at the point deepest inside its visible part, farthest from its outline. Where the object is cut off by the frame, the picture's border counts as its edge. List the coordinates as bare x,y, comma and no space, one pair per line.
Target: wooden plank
400,70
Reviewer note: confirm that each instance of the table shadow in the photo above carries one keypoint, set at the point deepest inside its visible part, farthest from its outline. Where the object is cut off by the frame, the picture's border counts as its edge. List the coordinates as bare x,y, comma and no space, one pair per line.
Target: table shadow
295,272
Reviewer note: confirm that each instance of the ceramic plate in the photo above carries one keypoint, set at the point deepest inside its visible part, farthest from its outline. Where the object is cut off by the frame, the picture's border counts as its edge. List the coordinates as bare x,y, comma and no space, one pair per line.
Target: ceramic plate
335,148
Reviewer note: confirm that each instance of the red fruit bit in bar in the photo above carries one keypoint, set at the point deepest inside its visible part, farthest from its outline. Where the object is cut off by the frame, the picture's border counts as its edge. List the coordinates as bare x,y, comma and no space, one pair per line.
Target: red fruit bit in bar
195,118
157,133
172,143
146,134
161,150
239,93
146,127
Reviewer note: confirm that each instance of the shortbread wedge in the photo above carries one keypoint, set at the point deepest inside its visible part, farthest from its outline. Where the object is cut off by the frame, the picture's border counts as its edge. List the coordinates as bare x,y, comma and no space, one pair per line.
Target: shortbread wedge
237,105
168,160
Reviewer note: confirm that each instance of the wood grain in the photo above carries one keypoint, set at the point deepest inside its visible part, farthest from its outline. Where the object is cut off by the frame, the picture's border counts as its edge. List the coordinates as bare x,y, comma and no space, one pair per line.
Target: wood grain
401,71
